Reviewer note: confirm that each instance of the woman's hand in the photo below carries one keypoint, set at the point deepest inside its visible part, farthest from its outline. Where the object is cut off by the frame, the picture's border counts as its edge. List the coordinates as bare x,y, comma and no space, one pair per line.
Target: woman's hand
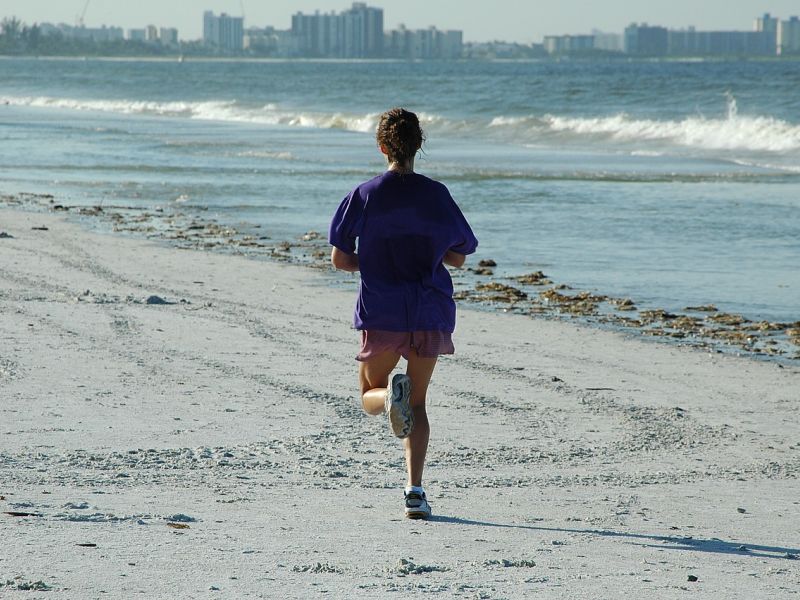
344,261
454,259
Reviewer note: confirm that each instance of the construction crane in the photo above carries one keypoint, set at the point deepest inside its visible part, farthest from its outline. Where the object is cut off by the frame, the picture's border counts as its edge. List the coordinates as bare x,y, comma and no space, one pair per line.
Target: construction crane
241,5
79,19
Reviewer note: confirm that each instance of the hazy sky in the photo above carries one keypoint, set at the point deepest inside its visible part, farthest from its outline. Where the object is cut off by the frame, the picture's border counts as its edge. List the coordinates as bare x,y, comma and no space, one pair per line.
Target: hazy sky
513,20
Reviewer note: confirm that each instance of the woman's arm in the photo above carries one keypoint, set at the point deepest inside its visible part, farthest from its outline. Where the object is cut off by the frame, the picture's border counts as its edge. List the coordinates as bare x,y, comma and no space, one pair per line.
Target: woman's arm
454,259
343,261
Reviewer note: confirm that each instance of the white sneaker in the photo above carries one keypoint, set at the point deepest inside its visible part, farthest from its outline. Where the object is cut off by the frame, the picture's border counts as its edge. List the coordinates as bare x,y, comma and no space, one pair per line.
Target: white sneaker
417,506
398,405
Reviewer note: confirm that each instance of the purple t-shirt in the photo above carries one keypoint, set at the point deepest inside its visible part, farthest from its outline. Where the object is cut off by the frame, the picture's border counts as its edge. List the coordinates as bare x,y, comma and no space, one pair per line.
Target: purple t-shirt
404,225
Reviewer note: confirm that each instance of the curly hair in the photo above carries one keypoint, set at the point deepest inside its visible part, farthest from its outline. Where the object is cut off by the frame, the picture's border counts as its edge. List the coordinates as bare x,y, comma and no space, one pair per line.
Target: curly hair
399,134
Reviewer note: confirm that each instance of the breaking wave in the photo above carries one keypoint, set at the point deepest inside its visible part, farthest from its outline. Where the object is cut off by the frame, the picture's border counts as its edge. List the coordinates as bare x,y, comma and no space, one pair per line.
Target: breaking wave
218,110
733,132
765,134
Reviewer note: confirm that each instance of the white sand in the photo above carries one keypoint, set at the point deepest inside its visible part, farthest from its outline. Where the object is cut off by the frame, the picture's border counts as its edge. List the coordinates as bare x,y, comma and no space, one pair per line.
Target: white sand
237,409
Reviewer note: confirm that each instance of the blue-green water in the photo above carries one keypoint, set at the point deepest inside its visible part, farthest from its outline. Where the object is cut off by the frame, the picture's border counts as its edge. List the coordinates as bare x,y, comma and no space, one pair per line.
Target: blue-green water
672,183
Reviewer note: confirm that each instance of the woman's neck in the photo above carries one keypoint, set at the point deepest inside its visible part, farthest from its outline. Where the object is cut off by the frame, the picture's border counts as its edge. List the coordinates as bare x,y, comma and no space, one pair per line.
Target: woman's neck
403,168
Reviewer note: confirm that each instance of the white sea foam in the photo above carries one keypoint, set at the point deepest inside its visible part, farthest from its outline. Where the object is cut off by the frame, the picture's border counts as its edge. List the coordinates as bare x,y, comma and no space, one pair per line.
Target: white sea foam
734,132
647,153
513,121
219,110
117,106
266,154
767,165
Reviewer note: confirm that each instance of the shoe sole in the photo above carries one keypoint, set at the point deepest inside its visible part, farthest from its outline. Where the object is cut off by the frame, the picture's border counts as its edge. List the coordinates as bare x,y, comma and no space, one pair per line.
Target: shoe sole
401,418
417,515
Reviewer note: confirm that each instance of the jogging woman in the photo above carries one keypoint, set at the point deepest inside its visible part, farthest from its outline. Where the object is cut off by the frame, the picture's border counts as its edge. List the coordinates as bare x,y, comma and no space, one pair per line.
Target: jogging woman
399,230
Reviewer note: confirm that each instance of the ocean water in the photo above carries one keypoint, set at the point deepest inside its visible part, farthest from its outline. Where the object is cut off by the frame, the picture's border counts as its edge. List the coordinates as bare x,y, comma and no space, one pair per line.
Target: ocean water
673,183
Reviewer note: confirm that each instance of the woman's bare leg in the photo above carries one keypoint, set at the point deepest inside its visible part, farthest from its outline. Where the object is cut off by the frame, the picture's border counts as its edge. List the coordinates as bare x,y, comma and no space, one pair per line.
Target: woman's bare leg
373,376
420,371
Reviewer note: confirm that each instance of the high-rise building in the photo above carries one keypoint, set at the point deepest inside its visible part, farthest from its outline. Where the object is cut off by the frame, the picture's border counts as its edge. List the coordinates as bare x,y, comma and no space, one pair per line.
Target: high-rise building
210,27
761,41
644,40
424,43
789,36
766,23
768,27
169,36
398,43
690,42
607,42
319,35
151,34
354,33
137,35
305,27
428,43
223,32
451,44
569,44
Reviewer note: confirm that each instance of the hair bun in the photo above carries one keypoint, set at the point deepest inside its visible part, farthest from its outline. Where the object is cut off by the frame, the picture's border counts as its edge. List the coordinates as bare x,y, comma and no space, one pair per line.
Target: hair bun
400,134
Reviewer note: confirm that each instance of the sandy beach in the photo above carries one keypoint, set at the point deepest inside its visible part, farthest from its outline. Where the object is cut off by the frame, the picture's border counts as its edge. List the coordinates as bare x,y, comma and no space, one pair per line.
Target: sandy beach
212,445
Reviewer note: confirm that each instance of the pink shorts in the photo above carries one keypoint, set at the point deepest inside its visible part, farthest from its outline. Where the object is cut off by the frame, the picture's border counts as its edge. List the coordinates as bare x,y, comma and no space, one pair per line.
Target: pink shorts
426,344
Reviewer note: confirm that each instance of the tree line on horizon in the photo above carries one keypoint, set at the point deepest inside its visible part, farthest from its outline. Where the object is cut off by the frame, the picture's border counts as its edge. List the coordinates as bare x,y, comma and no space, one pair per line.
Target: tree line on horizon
17,38
20,39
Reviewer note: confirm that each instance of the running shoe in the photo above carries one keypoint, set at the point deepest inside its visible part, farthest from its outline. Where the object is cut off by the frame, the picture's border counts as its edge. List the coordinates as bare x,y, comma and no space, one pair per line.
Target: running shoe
398,406
417,506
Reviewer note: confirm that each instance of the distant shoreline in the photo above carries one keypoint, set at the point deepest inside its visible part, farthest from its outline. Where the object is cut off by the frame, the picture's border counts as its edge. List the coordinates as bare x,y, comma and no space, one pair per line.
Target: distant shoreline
256,59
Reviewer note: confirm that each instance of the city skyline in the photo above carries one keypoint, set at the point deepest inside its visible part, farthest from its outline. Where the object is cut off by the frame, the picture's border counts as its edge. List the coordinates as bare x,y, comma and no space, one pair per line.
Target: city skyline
502,20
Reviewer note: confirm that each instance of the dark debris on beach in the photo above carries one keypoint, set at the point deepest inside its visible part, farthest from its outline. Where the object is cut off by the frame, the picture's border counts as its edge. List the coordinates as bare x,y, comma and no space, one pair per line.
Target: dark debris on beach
534,294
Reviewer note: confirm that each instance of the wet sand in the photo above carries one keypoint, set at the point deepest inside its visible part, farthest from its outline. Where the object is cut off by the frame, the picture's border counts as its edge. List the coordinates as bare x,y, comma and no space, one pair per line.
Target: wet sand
179,424
484,285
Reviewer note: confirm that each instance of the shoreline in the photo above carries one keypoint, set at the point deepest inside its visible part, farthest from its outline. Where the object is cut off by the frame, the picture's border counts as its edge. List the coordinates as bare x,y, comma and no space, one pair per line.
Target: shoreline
621,59
703,327
212,445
